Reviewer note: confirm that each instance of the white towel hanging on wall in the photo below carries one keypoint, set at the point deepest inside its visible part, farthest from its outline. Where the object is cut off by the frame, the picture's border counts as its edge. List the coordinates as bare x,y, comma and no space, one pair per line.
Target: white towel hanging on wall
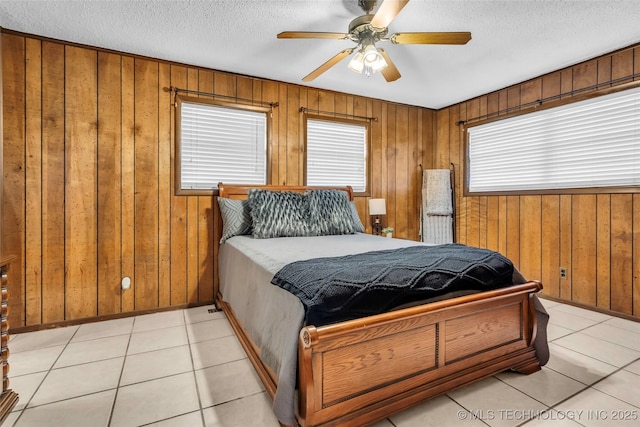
437,206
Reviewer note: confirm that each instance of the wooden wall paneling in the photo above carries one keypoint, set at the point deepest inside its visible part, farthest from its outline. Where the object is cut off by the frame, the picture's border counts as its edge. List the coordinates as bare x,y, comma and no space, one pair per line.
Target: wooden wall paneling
377,168
473,203
270,93
636,62
400,224
128,184
604,71
294,138
565,245
205,206
583,249
621,66
53,177
585,75
360,107
622,253
413,175
384,165
179,251
146,184
530,236
636,249
493,223
80,182
502,224
192,214
109,183
281,178
165,189
13,69
442,153
513,229
550,242
392,121
457,155
33,182
603,251
304,102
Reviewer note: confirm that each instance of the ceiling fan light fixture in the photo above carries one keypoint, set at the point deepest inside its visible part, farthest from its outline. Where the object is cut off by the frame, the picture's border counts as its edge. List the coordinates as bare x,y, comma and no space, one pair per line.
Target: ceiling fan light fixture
373,59
357,62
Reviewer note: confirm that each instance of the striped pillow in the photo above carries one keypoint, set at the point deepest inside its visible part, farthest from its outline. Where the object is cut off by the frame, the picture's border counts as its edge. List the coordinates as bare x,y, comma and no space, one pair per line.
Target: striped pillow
330,212
236,217
278,214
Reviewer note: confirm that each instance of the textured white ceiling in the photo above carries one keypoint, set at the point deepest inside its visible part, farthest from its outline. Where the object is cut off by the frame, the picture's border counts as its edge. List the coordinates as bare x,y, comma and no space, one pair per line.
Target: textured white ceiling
512,40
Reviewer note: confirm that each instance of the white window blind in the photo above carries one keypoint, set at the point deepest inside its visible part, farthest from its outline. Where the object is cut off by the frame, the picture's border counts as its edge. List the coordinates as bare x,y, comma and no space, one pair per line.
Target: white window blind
337,154
221,144
587,144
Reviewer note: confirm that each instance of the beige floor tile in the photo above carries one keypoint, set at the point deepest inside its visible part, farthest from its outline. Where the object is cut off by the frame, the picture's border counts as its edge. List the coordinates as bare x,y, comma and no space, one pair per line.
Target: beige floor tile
201,314
25,386
440,411
587,314
568,321
546,386
223,383
578,366
209,330
29,362
623,385
157,339
11,419
598,349
155,400
104,329
156,364
382,423
90,410
593,408
634,367
624,324
78,380
216,351
547,303
93,350
250,411
615,335
41,339
192,419
495,402
555,332
165,319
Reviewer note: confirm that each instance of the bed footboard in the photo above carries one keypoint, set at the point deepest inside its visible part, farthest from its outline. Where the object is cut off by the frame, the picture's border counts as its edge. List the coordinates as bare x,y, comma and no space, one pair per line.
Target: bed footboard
357,372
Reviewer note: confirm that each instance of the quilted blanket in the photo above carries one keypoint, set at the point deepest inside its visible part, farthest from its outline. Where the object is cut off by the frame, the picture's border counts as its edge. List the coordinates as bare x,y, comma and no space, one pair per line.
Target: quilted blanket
336,289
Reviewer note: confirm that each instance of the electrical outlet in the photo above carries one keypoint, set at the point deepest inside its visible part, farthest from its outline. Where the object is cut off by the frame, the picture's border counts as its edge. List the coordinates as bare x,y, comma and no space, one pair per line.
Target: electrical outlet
563,273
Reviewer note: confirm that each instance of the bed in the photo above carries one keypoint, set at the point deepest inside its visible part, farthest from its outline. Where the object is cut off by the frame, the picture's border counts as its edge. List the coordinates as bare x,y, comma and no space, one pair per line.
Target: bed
358,371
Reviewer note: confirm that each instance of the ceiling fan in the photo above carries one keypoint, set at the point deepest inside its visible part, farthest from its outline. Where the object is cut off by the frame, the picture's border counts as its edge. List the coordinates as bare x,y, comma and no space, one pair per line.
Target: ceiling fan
366,31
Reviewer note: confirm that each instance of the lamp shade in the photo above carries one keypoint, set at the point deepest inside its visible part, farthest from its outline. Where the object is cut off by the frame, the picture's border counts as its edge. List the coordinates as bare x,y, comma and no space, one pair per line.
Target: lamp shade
377,207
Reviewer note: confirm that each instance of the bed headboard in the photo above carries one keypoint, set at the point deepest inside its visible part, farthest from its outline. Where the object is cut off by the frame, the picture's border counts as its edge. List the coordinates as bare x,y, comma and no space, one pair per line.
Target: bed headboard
241,191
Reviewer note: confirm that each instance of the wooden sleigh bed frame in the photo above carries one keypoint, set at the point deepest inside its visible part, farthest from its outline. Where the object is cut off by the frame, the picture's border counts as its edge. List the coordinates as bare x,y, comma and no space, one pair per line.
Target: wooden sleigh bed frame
360,371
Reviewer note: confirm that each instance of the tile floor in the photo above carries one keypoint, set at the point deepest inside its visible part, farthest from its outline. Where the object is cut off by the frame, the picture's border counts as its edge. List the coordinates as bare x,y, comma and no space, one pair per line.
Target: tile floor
186,368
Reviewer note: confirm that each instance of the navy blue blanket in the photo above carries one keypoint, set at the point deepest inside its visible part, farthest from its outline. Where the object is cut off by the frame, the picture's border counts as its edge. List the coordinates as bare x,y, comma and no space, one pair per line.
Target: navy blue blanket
342,288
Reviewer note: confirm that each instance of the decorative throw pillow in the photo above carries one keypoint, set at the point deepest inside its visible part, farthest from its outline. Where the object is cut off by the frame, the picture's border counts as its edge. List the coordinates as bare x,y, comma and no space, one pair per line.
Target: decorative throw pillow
329,212
278,214
236,217
358,227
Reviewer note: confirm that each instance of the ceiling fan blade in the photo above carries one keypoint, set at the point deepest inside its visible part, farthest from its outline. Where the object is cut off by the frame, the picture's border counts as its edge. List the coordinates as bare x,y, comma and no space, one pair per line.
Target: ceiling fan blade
390,72
311,35
431,38
330,63
387,12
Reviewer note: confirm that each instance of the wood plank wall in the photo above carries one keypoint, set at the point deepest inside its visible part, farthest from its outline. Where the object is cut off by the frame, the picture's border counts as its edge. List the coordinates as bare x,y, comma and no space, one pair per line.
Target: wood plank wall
596,237
89,142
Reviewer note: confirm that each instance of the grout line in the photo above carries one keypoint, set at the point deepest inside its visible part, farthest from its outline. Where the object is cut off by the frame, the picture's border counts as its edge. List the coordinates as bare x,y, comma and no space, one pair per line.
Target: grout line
193,370
124,363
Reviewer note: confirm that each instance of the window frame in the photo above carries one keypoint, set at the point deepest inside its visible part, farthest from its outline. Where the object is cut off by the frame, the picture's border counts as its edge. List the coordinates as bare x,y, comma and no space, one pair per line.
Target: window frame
179,100
541,107
366,124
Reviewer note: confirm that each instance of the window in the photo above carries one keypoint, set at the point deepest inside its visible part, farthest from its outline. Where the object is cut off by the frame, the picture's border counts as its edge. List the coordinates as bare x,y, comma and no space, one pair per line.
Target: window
337,153
593,143
219,142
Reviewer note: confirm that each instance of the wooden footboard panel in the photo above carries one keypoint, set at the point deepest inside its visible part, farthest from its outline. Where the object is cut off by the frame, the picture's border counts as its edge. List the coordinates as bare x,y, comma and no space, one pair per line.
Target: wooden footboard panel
357,372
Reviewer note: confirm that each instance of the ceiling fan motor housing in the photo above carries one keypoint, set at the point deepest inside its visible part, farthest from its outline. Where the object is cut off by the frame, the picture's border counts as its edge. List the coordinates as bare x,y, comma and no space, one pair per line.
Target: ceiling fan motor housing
360,30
